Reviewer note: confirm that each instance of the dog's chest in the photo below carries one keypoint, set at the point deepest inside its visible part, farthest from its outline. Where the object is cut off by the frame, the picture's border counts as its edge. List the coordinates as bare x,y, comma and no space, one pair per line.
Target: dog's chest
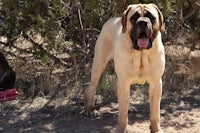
141,68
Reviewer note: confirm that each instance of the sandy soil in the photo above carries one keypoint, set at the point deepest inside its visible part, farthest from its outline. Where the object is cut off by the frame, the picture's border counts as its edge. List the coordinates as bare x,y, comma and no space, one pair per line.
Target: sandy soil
180,113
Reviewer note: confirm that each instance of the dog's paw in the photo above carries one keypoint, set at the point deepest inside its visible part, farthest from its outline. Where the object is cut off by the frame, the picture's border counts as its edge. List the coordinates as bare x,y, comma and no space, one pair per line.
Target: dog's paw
93,113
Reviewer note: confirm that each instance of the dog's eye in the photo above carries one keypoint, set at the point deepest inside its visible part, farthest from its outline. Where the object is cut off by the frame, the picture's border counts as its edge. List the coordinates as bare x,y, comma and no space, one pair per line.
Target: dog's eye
150,16
134,18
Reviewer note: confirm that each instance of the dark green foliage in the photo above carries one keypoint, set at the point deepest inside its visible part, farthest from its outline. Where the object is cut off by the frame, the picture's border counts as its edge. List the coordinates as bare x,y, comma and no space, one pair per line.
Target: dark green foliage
59,21
38,16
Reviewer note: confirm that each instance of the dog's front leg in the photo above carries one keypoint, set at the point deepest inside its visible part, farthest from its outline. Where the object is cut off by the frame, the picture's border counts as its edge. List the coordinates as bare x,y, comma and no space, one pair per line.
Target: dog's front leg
155,92
123,95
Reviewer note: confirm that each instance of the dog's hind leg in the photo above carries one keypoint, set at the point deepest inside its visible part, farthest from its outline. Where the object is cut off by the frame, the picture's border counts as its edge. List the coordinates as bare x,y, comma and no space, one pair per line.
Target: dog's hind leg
103,53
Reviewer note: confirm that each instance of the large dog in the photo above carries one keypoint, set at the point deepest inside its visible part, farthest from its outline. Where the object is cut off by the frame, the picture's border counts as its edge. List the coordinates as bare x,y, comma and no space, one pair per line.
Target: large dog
134,42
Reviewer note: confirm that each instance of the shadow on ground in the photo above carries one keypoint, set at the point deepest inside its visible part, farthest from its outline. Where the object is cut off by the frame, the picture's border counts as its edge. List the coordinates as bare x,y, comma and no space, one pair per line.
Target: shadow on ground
178,112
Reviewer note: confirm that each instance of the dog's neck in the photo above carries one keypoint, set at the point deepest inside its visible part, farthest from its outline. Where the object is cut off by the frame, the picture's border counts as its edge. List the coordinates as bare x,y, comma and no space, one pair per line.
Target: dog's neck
141,58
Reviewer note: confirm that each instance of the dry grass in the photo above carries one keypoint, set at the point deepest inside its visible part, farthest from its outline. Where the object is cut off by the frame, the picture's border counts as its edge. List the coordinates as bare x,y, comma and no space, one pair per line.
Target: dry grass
37,78
34,77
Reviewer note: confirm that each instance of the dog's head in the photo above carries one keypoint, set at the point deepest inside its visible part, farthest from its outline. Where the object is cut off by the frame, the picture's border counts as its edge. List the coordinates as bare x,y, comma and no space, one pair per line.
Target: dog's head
142,22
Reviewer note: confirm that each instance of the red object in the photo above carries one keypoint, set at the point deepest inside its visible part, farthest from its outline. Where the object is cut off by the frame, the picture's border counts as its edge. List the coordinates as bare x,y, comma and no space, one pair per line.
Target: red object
8,95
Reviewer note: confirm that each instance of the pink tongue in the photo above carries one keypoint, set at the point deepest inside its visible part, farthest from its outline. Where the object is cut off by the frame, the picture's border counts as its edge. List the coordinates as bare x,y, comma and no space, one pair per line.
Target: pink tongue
143,42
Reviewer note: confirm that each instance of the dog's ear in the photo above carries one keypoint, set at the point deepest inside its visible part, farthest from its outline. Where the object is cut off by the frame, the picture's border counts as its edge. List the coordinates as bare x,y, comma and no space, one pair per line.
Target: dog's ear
161,20
124,19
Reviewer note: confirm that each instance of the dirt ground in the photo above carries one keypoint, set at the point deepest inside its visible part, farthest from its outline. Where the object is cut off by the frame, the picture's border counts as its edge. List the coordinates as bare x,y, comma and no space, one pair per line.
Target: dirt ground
180,113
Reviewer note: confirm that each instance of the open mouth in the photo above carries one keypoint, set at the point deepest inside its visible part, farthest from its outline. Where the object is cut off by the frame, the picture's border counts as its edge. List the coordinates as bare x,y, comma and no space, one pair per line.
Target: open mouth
143,41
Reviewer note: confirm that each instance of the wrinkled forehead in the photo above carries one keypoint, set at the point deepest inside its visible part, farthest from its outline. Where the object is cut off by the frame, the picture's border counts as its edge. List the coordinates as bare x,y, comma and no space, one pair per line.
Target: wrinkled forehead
142,9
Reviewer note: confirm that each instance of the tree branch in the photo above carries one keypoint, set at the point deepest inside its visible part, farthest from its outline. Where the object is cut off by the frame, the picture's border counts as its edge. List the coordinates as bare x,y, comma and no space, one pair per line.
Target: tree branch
82,29
193,6
39,46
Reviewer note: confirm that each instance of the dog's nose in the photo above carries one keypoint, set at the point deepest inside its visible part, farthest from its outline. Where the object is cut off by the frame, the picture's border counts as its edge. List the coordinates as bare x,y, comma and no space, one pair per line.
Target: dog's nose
142,23
142,26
